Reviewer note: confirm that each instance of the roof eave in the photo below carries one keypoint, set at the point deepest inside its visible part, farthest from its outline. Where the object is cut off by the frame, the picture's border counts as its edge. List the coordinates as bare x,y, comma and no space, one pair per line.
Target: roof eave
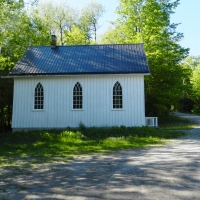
75,74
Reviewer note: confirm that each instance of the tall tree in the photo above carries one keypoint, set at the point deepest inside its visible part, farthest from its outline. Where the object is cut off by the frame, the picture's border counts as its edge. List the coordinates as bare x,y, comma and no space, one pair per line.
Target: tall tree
191,62
195,80
89,19
148,22
191,96
9,27
62,18
17,32
76,37
56,18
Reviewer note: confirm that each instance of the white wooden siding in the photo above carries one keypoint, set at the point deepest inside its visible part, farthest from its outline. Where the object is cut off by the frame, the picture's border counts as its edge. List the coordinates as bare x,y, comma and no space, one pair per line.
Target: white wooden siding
97,102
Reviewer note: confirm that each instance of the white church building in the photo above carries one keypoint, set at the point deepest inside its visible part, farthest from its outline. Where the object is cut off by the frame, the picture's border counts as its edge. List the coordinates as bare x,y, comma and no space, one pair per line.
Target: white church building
62,86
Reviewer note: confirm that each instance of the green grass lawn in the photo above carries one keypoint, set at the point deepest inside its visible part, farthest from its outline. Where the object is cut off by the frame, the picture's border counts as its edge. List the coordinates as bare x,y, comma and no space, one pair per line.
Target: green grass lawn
46,146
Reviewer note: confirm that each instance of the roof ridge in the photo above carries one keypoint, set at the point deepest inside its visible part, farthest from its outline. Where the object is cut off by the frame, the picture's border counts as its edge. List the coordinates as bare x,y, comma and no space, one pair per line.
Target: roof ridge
90,45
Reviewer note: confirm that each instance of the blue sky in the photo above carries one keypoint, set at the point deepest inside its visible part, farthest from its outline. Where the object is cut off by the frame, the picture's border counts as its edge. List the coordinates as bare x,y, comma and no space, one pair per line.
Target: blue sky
187,14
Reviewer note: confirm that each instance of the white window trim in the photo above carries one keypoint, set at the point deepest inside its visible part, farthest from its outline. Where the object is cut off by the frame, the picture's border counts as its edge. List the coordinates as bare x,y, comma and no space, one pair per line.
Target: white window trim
117,109
77,109
38,110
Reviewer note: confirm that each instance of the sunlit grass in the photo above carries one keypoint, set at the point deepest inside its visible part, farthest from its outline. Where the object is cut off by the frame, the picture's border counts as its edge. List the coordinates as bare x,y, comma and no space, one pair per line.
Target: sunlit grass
46,146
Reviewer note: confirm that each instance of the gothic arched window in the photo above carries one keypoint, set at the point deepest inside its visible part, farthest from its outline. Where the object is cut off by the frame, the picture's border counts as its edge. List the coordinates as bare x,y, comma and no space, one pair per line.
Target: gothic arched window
117,95
39,97
77,96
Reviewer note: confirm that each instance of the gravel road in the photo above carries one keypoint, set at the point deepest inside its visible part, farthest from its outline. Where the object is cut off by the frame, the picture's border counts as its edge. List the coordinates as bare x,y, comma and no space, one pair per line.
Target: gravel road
156,173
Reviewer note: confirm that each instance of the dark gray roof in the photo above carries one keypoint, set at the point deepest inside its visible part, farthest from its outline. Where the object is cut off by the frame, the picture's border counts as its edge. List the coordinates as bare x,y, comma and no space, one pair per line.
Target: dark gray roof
87,59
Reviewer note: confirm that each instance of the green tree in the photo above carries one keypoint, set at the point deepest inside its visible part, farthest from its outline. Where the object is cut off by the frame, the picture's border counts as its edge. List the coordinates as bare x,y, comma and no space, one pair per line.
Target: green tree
191,62
89,19
76,37
148,22
16,33
62,18
113,35
191,97
56,18
9,13
6,93
195,80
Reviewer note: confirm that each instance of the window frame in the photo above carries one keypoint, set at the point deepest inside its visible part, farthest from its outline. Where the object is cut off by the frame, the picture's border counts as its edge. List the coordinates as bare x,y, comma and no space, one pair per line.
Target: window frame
77,99
115,105
38,101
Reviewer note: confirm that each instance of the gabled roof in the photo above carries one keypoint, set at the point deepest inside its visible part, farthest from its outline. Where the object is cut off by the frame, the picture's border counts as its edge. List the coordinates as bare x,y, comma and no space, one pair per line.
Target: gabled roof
87,59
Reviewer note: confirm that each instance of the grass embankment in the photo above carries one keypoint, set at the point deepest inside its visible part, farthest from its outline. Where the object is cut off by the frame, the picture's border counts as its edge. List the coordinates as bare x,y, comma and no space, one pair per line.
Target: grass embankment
47,146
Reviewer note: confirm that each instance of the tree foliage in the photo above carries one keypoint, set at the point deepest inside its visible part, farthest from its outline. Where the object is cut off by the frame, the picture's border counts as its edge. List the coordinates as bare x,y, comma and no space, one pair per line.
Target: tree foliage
54,18
89,19
17,33
196,80
76,37
148,22
66,22
9,13
192,63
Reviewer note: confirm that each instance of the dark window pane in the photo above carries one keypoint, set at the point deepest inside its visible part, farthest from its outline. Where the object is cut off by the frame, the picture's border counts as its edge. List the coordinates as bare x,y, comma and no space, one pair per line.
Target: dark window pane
77,96
39,97
117,95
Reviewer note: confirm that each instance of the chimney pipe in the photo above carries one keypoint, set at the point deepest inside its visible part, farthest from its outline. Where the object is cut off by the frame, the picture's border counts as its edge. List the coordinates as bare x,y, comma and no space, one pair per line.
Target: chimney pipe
53,43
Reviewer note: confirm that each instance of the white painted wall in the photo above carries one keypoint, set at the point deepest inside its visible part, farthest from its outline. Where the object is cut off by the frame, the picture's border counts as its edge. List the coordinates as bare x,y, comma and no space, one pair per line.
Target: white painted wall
97,102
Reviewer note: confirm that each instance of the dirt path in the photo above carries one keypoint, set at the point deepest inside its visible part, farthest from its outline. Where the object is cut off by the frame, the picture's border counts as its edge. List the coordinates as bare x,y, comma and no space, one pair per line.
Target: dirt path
161,173
194,133
191,117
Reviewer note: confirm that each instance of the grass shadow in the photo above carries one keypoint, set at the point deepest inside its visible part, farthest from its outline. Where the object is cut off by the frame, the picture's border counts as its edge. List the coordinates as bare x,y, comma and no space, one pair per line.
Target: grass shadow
47,146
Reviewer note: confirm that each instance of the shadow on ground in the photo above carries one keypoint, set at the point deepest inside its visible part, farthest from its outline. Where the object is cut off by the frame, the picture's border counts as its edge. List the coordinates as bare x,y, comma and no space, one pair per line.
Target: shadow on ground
170,172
